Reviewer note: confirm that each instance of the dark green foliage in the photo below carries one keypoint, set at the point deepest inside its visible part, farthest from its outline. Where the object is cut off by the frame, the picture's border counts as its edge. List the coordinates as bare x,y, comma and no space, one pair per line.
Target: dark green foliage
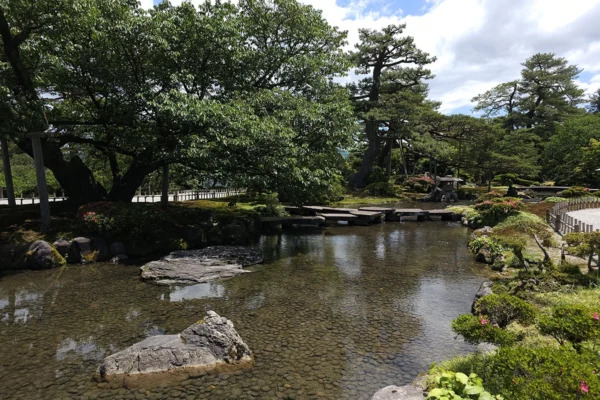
502,309
382,189
575,191
574,324
377,175
523,373
476,330
507,179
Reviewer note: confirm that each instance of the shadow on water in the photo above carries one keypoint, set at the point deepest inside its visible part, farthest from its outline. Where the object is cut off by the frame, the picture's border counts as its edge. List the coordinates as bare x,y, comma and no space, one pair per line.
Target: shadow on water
336,314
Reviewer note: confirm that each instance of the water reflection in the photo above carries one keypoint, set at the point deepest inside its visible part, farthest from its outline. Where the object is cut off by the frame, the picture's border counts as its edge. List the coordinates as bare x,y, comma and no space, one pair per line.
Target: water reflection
199,291
340,313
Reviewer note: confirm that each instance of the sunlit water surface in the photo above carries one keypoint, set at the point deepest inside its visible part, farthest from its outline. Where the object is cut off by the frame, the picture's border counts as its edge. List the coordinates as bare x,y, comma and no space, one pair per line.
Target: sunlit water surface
334,314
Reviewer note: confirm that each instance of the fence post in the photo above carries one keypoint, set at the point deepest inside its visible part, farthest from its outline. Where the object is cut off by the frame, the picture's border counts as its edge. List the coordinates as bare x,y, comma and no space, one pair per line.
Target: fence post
557,222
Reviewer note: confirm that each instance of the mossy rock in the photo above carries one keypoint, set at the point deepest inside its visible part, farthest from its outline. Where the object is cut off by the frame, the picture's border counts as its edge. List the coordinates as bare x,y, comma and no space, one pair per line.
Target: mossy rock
41,255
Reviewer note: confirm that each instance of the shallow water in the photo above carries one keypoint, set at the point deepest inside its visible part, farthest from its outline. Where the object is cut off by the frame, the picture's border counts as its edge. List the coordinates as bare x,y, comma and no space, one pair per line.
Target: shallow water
334,314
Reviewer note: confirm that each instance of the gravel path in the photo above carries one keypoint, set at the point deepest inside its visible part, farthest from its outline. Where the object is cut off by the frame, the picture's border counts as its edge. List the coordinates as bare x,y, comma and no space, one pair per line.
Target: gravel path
589,216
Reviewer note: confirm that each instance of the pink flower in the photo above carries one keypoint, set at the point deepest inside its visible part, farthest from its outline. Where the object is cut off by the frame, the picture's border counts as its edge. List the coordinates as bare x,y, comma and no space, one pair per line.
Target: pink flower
596,316
484,321
584,387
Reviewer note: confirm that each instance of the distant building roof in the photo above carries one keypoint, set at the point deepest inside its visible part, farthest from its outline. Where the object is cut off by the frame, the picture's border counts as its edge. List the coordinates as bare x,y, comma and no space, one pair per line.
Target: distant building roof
450,179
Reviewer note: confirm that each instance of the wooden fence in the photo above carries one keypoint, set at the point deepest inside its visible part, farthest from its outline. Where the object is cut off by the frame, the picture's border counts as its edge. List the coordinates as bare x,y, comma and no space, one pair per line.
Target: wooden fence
563,223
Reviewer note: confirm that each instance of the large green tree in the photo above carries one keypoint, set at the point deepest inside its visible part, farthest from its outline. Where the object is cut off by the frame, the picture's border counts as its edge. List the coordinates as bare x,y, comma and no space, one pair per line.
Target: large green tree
545,95
391,95
569,155
240,92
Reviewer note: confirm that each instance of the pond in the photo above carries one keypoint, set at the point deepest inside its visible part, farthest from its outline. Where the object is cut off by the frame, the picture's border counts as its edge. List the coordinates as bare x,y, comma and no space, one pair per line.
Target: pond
333,314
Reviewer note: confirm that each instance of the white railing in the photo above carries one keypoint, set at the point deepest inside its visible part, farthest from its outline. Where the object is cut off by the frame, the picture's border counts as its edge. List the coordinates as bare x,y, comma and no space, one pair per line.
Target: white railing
185,195
563,223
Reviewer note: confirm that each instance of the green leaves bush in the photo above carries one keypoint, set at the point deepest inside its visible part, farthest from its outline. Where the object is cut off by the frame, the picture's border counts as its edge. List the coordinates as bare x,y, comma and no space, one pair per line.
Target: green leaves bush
384,189
523,373
502,309
458,386
476,244
477,330
575,191
574,324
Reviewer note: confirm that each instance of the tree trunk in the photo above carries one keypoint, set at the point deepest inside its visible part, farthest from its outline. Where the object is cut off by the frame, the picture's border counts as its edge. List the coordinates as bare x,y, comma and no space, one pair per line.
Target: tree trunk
74,176
125,189
10,189
359,179
40,174
382,158
165,186
403,159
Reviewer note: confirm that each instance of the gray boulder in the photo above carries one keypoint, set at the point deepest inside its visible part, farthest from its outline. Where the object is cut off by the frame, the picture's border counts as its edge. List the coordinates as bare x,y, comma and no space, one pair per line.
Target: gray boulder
485,255
485,231
484,290
210,345
198,266
41,255
80,247
408,392
63,247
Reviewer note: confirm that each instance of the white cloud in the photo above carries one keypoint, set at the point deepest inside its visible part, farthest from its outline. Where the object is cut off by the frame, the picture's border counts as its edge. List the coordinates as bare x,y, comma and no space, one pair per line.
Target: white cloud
480,43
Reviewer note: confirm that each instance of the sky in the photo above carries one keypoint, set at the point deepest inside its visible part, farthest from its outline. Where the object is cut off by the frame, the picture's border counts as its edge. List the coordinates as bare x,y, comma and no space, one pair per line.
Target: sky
478,43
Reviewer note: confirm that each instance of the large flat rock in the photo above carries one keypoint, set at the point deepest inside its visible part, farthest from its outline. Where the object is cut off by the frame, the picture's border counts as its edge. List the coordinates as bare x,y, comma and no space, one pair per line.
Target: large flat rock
210,345
408,392
198,266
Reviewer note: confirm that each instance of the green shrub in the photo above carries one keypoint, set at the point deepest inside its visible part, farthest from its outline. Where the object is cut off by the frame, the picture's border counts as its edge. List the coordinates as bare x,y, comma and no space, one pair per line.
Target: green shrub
478,243
507,179
477,330
554,199
489,196
502,309
382,189
377,175
458,386
575,191
523,373
574,323
496,210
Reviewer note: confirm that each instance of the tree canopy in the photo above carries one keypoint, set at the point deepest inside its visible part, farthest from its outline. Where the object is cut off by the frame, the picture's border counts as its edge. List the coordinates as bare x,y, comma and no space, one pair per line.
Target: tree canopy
242,92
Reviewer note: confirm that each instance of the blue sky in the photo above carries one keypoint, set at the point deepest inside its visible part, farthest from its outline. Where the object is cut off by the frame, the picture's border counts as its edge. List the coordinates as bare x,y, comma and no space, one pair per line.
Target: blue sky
478,43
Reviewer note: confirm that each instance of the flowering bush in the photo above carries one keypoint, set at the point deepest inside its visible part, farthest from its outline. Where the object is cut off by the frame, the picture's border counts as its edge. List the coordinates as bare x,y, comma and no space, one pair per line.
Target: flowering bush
420,184
475,330
502,309
489,196
495,210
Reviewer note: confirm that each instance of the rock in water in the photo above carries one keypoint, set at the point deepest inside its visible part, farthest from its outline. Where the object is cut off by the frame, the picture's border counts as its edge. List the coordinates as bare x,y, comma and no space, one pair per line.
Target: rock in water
41,255
197,266
408,392
210,345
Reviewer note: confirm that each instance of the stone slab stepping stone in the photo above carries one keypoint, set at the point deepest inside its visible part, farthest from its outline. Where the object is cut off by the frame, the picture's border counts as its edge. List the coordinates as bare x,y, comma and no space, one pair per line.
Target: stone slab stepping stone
408,392
198,266
210,345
